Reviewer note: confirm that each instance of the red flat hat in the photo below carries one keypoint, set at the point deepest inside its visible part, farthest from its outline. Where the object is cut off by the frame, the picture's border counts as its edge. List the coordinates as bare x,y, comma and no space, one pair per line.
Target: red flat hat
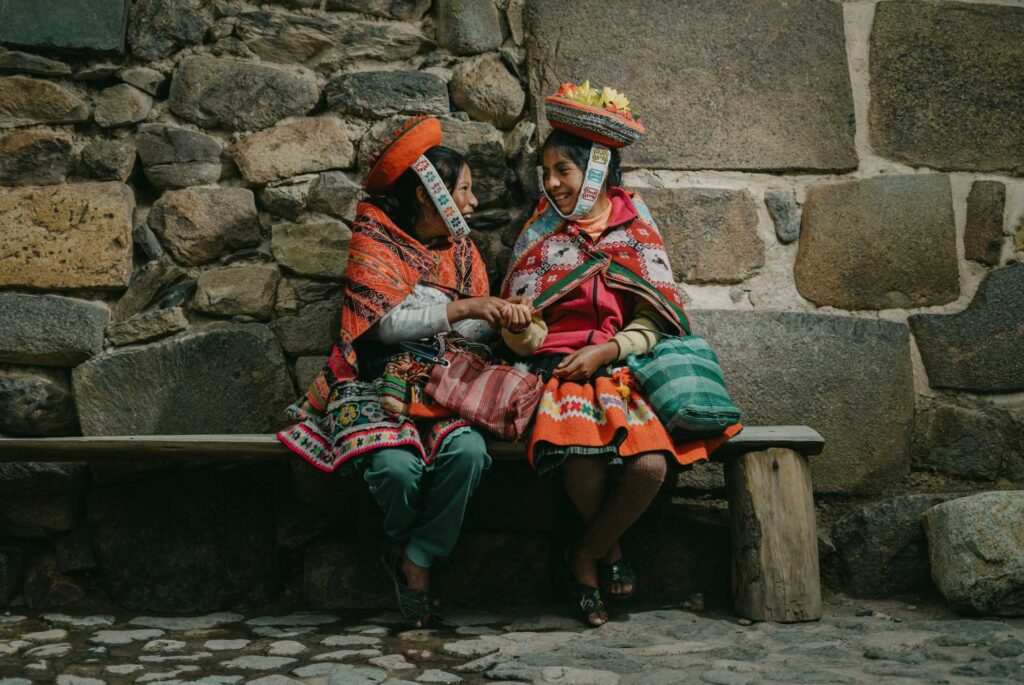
397,153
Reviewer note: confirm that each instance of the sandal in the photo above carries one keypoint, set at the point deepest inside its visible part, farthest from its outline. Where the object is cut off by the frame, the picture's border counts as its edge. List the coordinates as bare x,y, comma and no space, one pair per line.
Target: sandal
589,603
586,598
414,605
621,572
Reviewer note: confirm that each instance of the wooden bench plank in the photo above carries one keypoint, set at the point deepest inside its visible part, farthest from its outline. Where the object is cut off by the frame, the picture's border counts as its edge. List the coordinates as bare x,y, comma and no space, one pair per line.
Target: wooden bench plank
266,447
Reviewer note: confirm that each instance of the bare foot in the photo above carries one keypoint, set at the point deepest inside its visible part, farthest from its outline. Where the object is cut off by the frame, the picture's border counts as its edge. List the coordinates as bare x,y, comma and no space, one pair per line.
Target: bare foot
613,557
584,572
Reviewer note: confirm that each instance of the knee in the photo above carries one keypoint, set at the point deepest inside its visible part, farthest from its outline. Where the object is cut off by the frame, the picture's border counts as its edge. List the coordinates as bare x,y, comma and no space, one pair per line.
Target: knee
649,469
467,453
399,469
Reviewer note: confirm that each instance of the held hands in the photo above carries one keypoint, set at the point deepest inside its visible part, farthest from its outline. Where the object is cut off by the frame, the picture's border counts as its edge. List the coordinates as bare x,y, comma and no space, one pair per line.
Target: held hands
581,364
514,313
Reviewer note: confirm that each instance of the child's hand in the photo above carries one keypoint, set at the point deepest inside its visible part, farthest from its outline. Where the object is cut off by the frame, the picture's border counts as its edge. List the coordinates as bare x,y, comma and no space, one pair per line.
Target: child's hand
517,314
581,364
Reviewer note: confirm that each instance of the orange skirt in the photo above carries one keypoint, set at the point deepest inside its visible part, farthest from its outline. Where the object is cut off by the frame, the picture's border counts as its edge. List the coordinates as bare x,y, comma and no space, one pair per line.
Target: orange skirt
610,411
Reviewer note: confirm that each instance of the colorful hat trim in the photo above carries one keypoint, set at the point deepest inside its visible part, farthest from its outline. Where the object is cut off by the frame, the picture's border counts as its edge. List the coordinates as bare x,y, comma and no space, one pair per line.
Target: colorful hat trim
593,179
601,116
404,146
441,198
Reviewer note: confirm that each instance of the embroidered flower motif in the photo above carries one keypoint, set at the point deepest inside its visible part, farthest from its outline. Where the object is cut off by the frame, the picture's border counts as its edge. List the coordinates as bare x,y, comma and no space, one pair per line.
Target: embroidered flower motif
348,414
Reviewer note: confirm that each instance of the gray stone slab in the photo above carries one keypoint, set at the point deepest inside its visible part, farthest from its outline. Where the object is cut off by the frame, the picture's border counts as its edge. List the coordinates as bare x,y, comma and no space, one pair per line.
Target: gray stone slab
734,84
28,334
378,94
881,548
976,547
710,233
938,100
223,379
799,369
964,439
879,243
983,233
978,349
237,95
36,402
467,27
97,25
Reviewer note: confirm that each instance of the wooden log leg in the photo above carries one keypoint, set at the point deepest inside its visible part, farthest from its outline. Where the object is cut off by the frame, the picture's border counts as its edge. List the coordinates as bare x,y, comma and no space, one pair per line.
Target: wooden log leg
774,537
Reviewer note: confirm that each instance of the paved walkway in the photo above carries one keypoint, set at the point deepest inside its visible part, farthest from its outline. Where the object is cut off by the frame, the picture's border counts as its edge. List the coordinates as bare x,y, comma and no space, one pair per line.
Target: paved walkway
856,642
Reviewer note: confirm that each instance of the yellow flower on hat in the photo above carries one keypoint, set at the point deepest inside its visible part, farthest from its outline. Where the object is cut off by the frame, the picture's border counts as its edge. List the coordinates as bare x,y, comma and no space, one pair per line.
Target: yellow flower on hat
606,98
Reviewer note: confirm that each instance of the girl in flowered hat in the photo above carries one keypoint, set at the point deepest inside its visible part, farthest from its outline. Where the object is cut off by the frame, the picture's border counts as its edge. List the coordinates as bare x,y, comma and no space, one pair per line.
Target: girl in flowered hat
592,263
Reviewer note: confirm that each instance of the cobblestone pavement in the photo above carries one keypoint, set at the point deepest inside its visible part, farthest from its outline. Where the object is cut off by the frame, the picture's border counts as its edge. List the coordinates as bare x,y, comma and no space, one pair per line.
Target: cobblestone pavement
855,642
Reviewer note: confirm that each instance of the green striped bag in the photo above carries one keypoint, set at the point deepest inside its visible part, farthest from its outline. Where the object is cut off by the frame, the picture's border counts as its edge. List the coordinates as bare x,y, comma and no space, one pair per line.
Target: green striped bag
682,380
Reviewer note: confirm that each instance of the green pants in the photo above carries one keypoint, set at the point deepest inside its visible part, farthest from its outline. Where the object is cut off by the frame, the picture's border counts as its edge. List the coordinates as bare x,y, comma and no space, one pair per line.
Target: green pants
426,504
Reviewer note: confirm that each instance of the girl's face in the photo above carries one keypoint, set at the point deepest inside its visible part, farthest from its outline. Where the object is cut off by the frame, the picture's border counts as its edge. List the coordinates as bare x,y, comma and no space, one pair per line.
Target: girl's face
562,179
431,224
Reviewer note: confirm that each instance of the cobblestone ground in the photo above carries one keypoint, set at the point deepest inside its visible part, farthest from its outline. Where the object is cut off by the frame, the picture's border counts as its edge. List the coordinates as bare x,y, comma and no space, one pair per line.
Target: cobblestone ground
854,643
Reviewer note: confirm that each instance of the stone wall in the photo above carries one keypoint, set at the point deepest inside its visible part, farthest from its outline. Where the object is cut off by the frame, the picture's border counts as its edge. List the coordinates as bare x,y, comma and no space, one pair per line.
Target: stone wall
840,185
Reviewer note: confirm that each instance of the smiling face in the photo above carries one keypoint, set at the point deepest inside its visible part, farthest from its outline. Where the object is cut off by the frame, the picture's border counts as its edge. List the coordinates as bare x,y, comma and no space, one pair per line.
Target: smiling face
430,224
562,178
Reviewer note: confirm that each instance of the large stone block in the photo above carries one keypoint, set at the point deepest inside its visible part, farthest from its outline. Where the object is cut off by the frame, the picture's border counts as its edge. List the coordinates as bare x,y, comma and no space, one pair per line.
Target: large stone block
484,148
175,157
944,86
765,84
36,402
199,225
976,547
30,334
237,95
223,379
121,105
14,62
335,194
711,234
300,147
978,349
983,233
879,243
157,28
34,157
96,25
197,541
67,236
247,289
485,88
841,376
881,548
317,248
107,160
41,499
964,439
312,330
26,101
466,27
379,94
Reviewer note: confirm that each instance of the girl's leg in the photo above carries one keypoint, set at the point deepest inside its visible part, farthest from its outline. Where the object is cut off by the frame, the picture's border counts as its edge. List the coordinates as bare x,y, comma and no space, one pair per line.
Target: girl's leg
394,476
585,481
456,472
640,481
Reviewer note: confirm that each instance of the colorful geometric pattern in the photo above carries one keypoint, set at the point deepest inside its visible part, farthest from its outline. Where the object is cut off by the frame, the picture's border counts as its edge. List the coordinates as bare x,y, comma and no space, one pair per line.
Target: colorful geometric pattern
549,261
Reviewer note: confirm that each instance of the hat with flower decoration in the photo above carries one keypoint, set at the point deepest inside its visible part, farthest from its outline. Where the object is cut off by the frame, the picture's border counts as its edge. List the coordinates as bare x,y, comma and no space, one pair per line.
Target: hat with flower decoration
602,116
405,149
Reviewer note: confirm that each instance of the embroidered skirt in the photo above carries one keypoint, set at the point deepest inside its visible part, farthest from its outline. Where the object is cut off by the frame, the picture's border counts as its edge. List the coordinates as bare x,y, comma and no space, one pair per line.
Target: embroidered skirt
606,417
356,423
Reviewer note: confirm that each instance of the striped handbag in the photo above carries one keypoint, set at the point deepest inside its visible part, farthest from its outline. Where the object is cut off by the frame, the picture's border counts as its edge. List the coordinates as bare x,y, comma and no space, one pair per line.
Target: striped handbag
682,380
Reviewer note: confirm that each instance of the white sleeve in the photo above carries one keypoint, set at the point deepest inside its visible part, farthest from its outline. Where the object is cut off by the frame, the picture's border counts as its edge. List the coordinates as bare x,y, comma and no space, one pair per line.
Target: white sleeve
422,314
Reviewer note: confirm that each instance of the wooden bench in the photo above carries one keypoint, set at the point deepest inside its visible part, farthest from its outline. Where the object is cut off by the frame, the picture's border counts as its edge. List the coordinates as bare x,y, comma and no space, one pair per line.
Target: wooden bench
768,483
